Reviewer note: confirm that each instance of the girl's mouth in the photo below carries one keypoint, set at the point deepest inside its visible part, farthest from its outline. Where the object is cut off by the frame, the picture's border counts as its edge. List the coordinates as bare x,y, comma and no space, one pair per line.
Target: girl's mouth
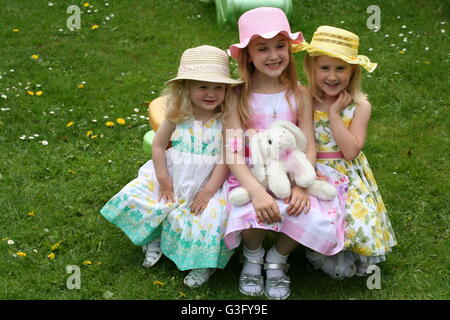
332,85
273,65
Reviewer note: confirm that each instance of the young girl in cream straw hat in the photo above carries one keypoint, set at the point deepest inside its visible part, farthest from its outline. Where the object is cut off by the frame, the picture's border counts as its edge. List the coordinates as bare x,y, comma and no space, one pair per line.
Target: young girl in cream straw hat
176,205
271,92
341,116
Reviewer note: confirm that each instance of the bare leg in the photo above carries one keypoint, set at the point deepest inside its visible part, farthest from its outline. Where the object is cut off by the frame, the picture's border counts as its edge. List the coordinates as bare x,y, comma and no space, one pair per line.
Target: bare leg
253,238
285,245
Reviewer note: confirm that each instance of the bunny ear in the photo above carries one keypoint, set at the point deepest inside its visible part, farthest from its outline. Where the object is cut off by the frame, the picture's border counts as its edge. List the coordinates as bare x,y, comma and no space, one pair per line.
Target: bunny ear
298,134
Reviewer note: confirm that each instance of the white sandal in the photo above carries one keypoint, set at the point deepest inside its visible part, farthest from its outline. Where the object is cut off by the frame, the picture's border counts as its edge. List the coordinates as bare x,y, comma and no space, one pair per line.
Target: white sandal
197,277
152,252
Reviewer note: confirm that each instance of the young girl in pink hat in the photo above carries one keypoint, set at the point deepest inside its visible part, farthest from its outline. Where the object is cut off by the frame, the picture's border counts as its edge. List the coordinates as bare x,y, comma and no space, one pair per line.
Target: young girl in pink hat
271,92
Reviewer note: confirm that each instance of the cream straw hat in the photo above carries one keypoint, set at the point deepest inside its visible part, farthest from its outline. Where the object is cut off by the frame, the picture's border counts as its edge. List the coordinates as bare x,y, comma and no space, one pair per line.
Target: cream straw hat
205,63
337,43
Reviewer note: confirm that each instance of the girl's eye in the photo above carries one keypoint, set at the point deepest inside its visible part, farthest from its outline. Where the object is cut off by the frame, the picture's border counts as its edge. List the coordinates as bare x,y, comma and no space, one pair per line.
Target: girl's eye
324,68
261,49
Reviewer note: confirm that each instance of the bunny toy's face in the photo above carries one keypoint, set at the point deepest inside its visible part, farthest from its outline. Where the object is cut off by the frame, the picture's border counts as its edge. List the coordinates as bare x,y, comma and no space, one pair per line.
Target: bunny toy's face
274,141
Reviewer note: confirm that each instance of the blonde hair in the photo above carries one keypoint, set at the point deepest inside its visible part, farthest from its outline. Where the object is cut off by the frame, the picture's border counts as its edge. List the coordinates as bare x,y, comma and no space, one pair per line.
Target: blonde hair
354,87
179,103
246,69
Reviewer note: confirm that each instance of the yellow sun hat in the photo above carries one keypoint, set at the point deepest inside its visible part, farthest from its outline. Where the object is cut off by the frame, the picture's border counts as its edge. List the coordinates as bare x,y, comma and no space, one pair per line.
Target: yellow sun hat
337,43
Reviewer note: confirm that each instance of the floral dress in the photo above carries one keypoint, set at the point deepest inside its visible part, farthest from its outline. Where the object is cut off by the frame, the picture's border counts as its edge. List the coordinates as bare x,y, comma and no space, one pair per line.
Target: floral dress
188,240
368,231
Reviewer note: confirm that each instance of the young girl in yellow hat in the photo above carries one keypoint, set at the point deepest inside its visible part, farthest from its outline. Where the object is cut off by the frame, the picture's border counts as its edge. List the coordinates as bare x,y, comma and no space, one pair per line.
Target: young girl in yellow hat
341,116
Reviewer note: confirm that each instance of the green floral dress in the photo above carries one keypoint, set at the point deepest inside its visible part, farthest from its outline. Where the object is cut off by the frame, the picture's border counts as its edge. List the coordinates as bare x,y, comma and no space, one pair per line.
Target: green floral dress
190,241
368,231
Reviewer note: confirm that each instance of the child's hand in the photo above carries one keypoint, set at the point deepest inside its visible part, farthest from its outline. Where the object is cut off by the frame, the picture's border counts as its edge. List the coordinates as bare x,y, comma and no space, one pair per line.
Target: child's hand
200,201
266,208
342,101
320,176
166,191
298,201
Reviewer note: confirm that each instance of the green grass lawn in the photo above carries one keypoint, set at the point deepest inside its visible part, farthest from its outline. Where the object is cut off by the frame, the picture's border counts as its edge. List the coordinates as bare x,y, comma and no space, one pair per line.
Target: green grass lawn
60,162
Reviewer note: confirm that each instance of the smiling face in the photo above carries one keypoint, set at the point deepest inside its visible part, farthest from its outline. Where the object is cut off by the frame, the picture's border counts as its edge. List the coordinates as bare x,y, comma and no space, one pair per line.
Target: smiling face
332,75
269,56
206,96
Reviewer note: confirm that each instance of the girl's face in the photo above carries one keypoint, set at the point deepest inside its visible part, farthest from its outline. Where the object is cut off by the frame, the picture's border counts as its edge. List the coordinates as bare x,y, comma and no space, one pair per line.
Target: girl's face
206,95
269,56
332,75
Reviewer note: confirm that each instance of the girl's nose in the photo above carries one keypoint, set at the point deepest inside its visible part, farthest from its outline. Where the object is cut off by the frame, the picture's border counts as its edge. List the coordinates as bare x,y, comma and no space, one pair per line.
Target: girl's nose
332,75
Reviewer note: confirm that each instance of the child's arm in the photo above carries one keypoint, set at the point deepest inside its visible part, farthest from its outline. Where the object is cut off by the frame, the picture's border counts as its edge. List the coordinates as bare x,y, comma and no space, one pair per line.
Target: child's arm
351,140
306,123
216,180
160,143
265,206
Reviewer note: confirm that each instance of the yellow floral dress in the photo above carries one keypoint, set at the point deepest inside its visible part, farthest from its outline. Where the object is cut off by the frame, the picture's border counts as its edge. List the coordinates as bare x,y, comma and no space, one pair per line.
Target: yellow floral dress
368,231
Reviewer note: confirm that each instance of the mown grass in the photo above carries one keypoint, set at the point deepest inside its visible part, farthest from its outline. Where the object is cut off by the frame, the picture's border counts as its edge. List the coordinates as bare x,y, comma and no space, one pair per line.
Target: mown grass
123,65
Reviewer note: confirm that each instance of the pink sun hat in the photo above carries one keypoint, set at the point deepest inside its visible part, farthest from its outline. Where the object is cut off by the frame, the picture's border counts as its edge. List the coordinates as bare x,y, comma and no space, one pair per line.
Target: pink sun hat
265,22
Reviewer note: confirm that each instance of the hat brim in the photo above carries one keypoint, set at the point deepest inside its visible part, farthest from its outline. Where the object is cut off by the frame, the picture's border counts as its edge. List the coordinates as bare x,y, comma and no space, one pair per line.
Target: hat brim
234,49
313,51
206,78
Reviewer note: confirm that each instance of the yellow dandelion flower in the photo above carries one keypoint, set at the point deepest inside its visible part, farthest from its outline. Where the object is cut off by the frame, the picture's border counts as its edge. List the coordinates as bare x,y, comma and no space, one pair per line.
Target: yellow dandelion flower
69,124
51,256
30,93
16,30
87,262
120,121
21,254
401,52
94,136
39,93
95,26
80,86
89,133
86,4
109,124
56,246
158,283
182,294
31,213
34,57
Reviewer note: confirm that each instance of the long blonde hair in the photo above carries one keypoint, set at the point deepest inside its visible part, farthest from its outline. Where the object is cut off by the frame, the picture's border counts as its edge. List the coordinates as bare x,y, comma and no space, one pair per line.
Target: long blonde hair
354,86
246,69
179,104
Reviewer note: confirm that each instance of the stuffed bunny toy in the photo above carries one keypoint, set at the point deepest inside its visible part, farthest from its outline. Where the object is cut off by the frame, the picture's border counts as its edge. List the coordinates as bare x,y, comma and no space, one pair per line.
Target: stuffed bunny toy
278,156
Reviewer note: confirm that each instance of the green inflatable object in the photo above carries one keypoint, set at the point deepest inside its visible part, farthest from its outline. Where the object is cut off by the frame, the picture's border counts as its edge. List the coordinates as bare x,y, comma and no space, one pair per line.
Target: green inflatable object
229,11
148,141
